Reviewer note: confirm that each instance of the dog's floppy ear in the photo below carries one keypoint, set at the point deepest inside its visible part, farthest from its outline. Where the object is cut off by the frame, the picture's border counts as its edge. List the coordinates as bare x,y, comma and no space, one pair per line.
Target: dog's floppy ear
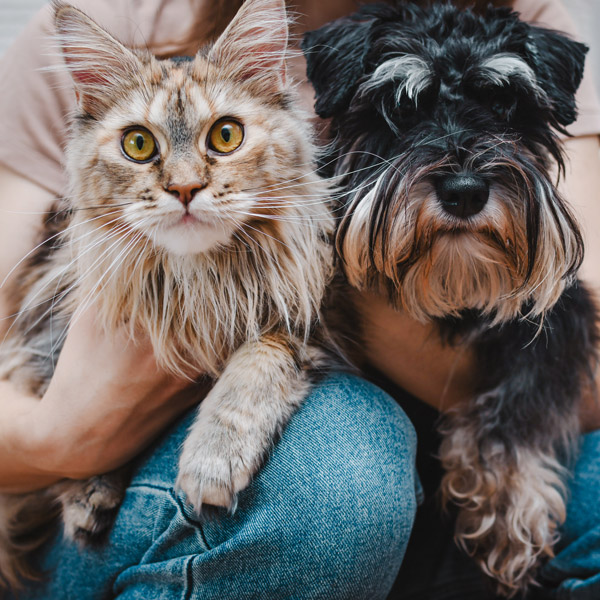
335,58
558,64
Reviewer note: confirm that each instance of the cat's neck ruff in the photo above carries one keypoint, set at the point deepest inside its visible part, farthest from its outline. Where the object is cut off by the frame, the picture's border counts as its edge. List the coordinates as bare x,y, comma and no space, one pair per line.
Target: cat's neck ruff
198,308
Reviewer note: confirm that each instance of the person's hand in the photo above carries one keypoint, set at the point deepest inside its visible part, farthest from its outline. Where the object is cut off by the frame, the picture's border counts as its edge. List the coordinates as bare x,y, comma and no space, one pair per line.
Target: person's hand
107,400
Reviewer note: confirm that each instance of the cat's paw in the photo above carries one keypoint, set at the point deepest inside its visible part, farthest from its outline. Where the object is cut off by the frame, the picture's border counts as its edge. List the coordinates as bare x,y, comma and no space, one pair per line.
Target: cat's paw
213,469
90,506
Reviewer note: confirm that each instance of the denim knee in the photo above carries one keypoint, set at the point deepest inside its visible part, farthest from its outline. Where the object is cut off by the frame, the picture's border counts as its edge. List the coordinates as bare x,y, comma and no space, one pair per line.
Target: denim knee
327,517
574,572
331,512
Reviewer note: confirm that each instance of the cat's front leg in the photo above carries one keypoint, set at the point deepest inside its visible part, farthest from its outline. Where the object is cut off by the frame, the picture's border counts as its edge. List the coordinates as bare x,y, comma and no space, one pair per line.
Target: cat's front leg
261,387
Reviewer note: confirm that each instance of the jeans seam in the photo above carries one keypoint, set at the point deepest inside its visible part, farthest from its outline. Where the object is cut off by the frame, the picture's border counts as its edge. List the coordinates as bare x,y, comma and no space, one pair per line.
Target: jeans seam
189,579
151,486
189,520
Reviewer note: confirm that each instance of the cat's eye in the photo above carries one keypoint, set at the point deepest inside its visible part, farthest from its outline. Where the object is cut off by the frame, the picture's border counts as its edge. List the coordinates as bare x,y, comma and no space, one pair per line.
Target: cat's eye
225,136
139,145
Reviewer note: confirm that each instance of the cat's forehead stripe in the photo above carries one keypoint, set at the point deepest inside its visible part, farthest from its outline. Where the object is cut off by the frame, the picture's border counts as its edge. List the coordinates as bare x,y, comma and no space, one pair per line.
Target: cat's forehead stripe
187,105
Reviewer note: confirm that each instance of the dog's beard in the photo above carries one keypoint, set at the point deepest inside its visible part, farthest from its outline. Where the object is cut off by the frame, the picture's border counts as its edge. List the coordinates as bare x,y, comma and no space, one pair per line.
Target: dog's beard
512,259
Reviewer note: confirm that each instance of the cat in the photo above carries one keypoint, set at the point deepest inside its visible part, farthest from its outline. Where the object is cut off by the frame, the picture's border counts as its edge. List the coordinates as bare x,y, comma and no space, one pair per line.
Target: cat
194,214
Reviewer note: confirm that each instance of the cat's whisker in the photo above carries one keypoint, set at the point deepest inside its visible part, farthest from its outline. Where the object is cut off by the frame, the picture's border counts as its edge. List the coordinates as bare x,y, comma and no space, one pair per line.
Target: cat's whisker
28,306
75,240
294,218
111,270
316,170
41,244
100,206
283,184
95,265
248,226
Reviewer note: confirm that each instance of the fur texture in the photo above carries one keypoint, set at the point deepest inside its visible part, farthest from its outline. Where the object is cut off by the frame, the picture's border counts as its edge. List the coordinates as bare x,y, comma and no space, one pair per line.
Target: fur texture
222,258
443,131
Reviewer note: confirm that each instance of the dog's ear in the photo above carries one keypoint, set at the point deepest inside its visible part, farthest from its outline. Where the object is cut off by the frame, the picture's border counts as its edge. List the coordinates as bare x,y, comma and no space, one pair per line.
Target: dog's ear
335,57
558,64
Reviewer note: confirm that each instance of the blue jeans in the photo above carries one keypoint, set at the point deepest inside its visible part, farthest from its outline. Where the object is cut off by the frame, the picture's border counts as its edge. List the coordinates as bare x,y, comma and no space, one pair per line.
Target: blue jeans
574,573
329,516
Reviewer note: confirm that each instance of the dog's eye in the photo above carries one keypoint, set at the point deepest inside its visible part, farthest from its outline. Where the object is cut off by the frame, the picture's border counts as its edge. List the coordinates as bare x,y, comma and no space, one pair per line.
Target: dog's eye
503,107
406,108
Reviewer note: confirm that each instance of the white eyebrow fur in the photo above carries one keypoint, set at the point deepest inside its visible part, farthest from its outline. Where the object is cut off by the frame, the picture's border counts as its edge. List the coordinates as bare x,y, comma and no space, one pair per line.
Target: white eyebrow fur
414,72
498,69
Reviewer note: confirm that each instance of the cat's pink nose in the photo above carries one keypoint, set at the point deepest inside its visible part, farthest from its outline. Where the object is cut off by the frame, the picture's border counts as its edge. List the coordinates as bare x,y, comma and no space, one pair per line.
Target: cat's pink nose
185,193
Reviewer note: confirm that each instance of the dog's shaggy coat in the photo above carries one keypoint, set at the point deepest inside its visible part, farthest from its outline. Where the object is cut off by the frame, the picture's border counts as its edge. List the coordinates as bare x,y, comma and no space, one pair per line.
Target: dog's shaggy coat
443,130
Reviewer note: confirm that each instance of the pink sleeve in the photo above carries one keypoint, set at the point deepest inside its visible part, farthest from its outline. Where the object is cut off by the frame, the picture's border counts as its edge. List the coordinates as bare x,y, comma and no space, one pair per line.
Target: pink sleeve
553,15
36,101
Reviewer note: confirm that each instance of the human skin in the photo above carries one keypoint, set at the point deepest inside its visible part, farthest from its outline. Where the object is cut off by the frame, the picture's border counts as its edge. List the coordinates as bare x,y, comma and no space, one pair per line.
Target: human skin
108,399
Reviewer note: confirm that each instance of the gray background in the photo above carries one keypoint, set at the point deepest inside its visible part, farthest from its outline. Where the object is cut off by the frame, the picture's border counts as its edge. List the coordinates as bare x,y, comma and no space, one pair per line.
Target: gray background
14,14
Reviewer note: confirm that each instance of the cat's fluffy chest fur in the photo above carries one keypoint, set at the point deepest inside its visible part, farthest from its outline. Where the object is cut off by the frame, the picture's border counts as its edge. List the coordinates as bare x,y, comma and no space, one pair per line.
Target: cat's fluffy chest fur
194,215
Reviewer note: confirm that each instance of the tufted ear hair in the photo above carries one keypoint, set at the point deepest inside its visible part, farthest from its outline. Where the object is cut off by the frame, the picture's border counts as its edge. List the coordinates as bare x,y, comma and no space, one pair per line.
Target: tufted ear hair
97,62
335,58
558,63
254,45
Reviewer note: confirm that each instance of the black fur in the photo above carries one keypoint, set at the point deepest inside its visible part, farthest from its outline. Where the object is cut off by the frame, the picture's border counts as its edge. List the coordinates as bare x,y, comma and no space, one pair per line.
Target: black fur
532,371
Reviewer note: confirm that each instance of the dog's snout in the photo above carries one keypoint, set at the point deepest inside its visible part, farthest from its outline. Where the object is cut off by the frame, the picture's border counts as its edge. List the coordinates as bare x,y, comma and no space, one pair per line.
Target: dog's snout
462,195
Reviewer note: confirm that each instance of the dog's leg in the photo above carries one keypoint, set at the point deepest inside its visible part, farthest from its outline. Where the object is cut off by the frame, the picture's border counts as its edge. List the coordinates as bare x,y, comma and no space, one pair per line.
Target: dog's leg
505,451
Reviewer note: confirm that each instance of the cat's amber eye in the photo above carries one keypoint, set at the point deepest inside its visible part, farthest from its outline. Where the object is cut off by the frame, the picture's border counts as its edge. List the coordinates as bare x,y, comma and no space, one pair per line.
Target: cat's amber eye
139,144
225,136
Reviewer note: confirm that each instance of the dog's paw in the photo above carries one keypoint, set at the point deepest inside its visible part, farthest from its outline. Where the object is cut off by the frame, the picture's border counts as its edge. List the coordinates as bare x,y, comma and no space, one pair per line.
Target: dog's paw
213,469
89,507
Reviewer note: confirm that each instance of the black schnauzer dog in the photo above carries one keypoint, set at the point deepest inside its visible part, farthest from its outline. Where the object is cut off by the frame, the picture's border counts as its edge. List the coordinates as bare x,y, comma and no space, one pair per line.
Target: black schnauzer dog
444,134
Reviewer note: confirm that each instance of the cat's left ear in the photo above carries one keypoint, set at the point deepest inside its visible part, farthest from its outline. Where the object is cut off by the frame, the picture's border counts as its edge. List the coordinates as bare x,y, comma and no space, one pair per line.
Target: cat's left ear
97,62
254,45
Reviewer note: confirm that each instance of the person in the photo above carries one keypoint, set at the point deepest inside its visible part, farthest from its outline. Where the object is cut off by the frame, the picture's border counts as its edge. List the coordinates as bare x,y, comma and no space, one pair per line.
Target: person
330,514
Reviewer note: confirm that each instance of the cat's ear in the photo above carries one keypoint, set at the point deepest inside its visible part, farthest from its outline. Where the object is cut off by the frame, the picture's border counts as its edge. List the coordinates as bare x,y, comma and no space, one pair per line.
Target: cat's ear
254,45
97,62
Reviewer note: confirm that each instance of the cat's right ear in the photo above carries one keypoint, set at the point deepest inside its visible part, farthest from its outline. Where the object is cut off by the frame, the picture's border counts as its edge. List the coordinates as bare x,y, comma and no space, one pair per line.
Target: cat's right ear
254,45
97,62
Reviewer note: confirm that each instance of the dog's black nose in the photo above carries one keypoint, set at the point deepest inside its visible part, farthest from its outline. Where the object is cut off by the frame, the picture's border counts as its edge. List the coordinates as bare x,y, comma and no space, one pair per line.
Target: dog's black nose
462,195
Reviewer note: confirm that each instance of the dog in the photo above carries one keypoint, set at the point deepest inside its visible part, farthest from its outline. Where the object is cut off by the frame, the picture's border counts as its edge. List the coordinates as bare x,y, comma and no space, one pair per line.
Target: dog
444,131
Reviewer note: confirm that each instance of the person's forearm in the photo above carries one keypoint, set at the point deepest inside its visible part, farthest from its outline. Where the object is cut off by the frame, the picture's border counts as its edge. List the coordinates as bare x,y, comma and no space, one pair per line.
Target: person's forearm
19,443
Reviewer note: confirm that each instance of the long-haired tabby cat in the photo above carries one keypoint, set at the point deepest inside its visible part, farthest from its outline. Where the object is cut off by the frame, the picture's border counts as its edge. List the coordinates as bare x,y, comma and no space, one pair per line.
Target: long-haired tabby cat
194,214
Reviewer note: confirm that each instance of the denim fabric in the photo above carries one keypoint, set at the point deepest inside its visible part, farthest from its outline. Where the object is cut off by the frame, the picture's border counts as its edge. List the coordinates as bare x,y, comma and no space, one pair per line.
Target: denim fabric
329,516
574,573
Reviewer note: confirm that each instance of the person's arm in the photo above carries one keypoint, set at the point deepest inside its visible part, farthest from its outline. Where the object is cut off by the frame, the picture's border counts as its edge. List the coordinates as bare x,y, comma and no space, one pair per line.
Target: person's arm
581,187
107,399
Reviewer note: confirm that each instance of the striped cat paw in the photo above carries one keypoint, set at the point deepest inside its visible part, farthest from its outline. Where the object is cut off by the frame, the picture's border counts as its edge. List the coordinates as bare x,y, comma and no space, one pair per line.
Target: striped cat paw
213,469
90,506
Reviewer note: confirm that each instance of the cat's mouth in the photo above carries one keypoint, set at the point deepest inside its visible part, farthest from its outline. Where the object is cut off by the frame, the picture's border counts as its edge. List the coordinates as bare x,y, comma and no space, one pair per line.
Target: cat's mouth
190,220
188,234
